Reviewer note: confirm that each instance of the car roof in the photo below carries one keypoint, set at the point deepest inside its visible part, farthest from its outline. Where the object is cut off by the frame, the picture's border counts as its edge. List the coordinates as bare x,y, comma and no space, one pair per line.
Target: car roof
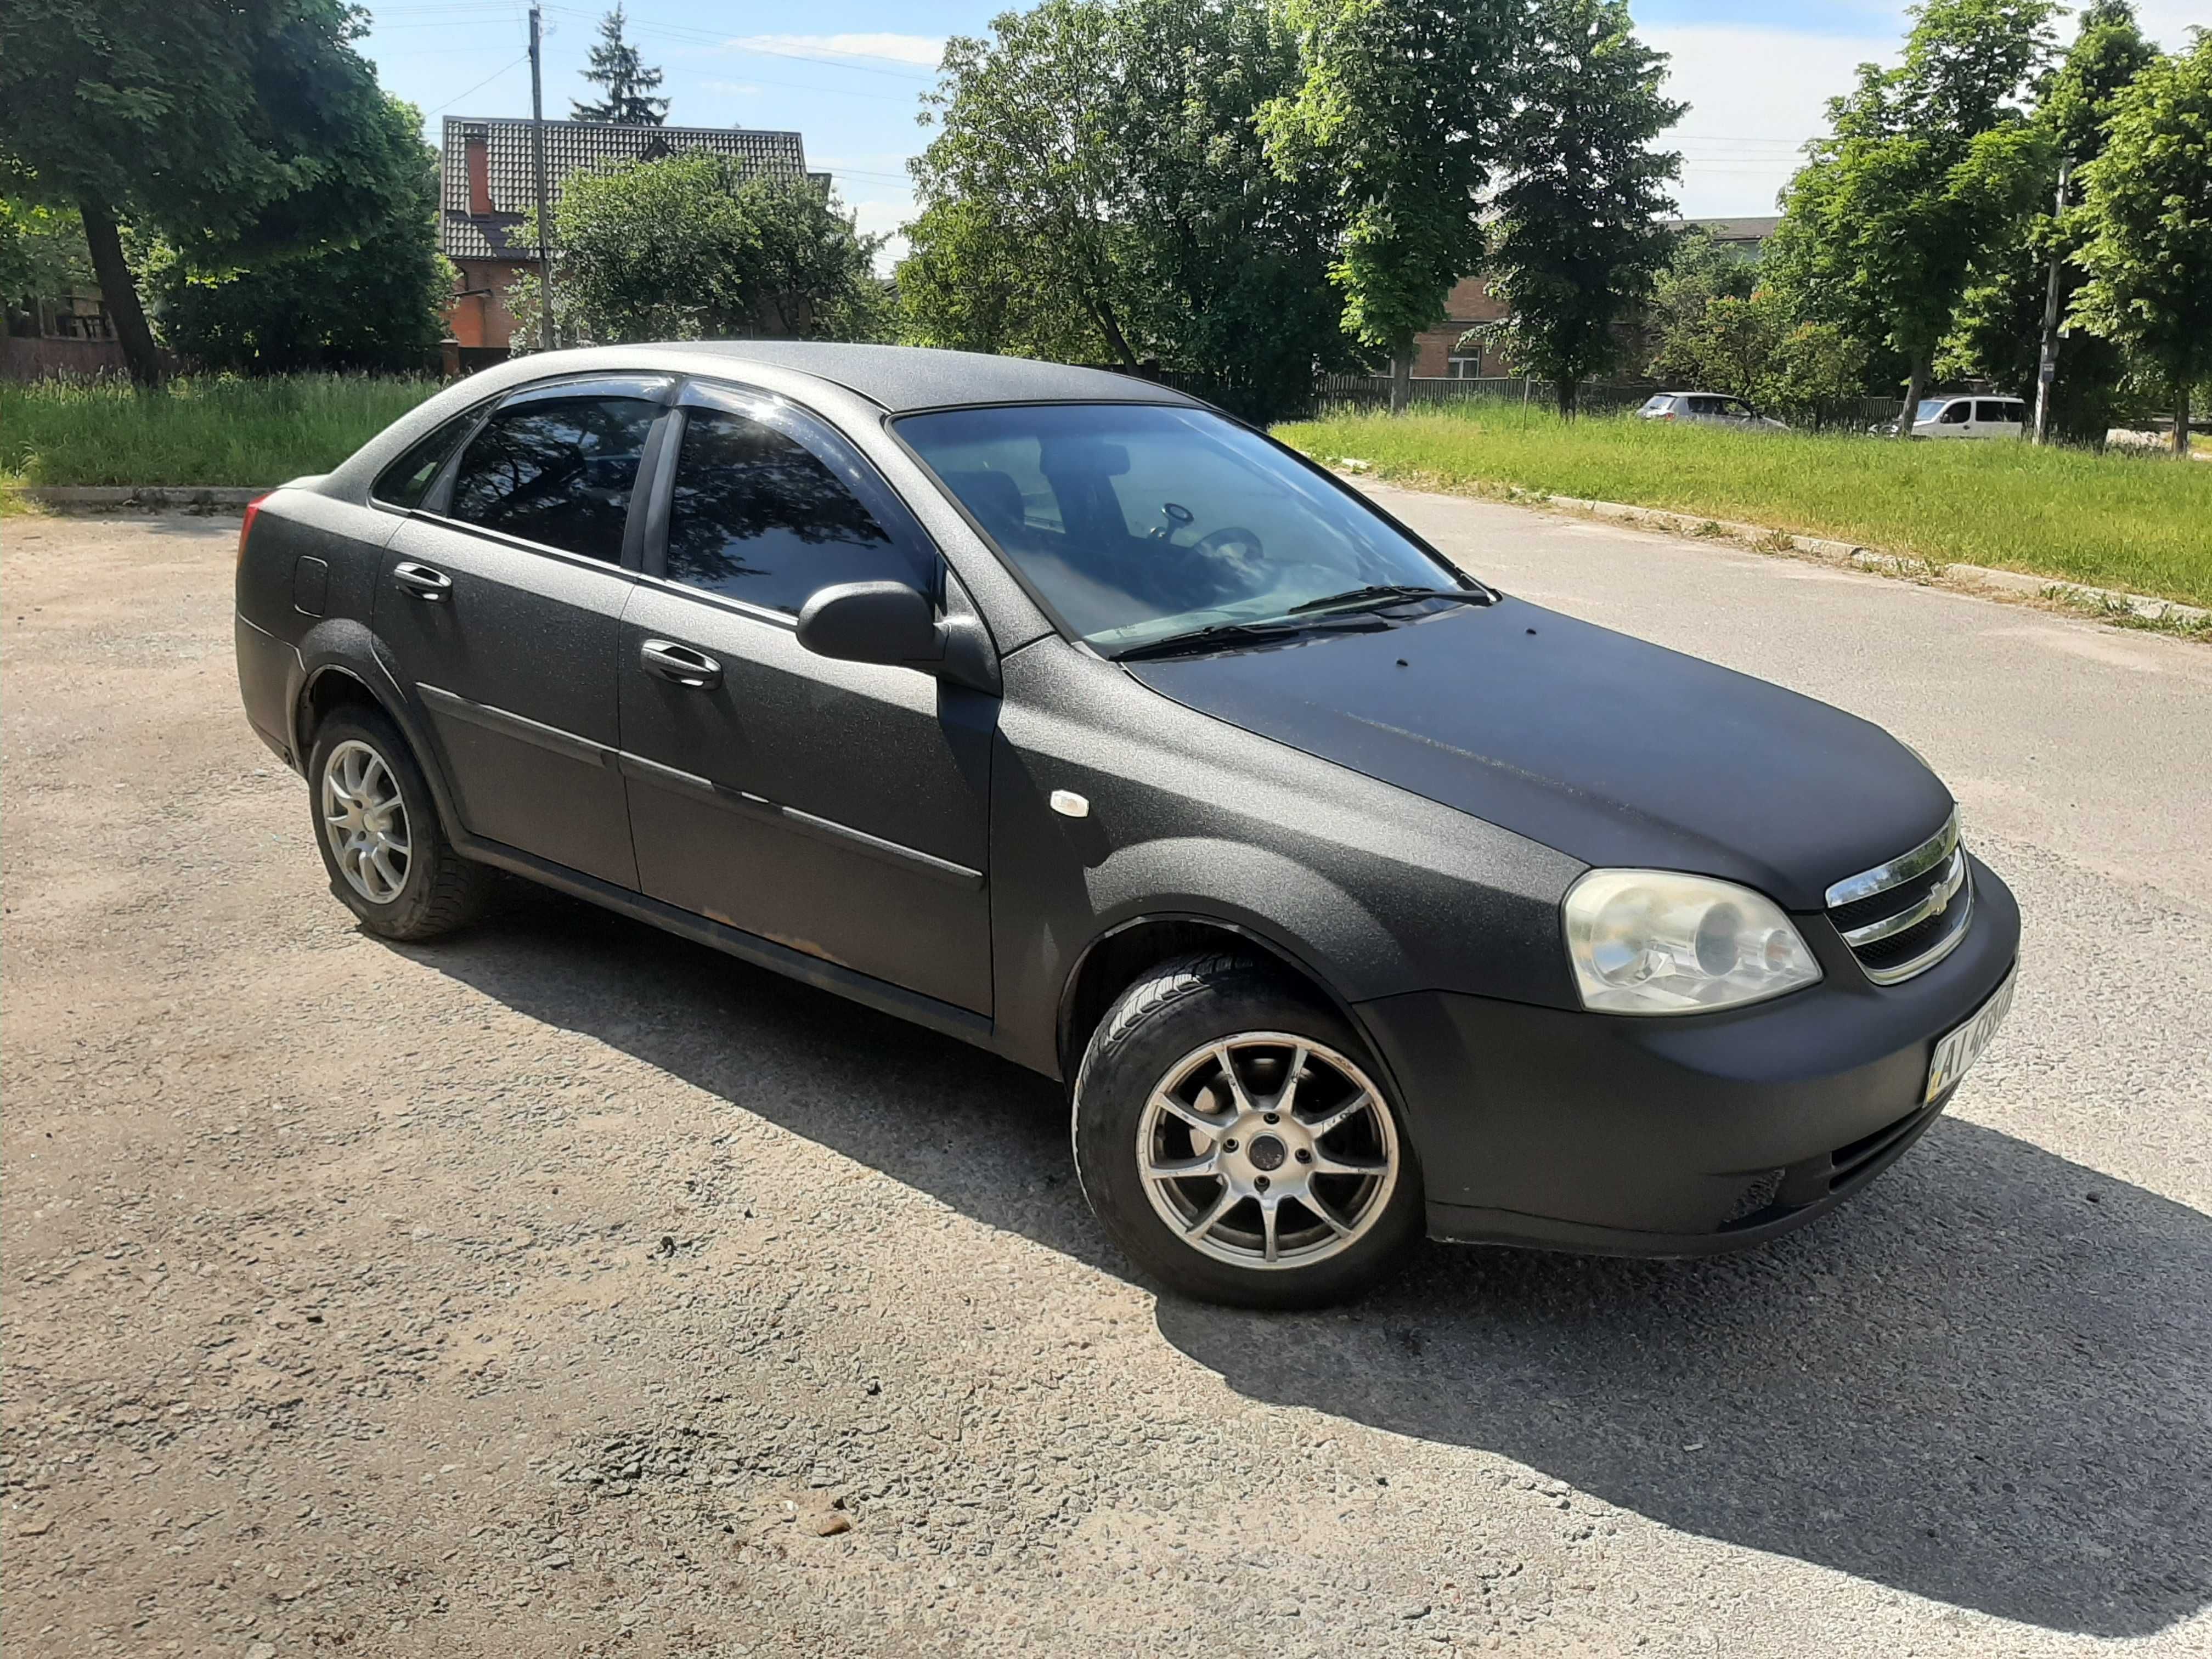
1697,394
905,377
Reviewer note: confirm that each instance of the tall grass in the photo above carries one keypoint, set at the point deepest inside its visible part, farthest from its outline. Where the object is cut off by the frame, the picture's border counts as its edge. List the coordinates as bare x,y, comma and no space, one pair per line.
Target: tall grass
2136,521
212,431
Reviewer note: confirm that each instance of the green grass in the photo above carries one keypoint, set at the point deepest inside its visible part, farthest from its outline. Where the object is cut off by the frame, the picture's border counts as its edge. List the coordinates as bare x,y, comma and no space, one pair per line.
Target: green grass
2140,522
214,431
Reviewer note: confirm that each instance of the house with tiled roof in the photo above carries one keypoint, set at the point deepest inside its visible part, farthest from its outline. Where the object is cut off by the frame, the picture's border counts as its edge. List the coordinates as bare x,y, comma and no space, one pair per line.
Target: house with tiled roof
489,182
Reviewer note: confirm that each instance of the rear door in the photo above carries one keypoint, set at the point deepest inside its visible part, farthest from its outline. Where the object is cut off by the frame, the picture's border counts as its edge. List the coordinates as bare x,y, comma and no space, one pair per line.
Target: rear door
1996,418
836,808
501,602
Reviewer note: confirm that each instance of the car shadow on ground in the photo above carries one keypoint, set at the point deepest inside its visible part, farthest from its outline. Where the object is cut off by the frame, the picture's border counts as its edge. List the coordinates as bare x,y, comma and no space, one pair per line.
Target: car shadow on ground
1984,1381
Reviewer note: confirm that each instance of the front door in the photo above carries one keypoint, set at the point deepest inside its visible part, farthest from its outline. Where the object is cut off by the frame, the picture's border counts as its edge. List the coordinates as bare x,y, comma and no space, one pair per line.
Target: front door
836,808
501,602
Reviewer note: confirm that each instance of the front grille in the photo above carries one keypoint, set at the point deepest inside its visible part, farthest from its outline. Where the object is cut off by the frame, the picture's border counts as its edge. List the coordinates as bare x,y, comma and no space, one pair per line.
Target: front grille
1904,917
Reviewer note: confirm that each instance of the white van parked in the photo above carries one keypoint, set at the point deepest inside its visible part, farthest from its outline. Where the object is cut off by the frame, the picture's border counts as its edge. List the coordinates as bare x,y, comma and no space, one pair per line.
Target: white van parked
1969,417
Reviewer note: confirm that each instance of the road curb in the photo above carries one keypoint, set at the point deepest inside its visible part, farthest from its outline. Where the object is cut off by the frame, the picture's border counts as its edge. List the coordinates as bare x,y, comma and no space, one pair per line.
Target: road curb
116,498
2109,602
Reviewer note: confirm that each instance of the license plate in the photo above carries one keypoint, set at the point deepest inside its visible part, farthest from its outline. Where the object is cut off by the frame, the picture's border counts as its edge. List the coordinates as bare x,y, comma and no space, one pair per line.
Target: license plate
1960,1047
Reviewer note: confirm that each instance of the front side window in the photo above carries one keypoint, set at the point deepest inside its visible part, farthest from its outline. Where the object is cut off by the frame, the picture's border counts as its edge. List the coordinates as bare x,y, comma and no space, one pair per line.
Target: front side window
758,516
556,471
1956,414
1137,522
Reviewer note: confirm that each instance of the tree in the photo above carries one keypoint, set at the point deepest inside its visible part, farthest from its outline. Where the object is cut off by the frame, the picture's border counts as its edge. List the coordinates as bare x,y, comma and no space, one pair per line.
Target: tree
42,254
376,305
1097,178
1999,332
617,66
1925,166
694,248
1577,239
1019,188
2146,220
248,129
1400,104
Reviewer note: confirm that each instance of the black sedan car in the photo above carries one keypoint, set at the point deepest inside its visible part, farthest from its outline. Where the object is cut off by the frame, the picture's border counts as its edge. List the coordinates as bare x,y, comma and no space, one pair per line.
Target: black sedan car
1059,711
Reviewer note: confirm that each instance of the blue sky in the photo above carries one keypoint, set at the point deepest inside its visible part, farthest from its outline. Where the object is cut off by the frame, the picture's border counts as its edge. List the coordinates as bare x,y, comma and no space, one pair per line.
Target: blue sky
845,73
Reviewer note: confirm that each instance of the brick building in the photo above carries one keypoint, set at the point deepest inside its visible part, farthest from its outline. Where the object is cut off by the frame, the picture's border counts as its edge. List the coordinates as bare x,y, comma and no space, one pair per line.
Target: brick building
488,184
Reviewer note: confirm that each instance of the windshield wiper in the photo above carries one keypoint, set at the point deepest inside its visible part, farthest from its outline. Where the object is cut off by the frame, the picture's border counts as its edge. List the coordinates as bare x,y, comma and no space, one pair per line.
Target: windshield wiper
1386,593
1215,634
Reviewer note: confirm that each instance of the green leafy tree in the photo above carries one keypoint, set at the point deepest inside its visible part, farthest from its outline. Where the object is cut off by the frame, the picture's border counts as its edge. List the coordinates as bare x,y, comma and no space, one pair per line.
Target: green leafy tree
1098,190
1578,239
248,129
42,254
1400,104
1714,326
627,83
376,305
2146,220
1925,166
695,247
1020,187
1999,332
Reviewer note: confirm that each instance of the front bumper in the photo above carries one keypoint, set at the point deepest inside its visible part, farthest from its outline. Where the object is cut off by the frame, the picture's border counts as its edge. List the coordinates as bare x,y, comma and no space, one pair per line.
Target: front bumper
1678,1136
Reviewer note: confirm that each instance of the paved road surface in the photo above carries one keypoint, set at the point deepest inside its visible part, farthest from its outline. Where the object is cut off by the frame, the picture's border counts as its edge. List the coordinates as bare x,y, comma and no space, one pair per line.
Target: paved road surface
566,1289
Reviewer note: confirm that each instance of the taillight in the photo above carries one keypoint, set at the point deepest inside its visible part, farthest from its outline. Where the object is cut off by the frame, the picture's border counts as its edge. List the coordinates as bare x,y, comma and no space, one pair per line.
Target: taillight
245,529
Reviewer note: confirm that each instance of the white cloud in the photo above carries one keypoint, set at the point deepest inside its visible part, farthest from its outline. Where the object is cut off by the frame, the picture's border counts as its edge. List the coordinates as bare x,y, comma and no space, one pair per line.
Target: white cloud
1755,95
921,50
732,88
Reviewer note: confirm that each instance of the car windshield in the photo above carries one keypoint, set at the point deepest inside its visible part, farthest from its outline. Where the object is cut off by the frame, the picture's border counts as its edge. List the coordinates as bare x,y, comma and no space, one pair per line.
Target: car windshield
1136,522
1930,408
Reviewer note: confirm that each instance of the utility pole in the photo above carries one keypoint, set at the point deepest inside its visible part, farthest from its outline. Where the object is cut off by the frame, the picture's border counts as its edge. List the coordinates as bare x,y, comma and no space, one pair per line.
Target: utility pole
2046,369
537,155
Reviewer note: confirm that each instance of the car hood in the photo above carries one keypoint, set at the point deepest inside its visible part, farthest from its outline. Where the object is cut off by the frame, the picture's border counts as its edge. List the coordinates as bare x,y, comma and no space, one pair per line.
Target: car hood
1606,748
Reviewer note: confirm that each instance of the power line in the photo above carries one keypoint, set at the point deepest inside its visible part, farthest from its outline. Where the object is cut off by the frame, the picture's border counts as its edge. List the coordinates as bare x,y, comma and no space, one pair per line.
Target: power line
479,87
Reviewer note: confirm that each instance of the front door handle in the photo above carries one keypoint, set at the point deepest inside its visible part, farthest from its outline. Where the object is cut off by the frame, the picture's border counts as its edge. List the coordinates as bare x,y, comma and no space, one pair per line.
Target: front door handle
680,664
421,581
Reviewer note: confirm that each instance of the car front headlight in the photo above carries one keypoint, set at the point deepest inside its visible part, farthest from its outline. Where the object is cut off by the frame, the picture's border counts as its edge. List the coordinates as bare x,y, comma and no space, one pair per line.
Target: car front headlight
1656,942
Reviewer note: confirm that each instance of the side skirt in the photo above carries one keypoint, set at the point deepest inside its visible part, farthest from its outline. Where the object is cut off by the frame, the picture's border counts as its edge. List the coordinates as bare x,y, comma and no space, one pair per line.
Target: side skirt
877,993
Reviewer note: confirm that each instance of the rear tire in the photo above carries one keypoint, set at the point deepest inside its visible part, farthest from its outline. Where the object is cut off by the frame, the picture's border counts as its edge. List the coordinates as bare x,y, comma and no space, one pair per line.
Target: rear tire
377,827
1234,1136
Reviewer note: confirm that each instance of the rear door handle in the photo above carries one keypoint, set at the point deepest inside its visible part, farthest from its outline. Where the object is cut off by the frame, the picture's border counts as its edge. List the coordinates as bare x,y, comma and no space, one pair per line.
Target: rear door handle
421,581
680,664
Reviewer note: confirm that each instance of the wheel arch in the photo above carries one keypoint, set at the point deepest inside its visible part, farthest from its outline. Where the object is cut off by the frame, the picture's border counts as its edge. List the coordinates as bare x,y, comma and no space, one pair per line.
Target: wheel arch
342,665
1119,957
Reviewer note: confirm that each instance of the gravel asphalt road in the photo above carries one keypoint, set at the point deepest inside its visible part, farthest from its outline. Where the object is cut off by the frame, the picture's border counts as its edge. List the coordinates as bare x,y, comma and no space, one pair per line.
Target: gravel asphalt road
569,1289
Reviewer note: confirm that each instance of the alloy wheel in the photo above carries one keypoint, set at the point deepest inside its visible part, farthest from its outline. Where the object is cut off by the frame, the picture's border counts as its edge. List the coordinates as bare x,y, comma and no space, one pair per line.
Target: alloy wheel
1267,1150
366,821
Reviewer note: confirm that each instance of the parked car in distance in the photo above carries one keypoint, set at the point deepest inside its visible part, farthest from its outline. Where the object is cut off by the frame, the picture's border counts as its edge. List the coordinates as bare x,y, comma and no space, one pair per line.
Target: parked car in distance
1708,408
1351,897
1963,417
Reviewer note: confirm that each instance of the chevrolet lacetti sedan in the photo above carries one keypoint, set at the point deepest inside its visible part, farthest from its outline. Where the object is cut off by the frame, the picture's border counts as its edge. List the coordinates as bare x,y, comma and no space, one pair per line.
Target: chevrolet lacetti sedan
1353,897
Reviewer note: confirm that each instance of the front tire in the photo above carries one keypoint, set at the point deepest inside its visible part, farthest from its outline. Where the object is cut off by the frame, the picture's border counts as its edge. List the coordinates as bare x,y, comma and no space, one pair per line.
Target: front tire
1234,1136
379,832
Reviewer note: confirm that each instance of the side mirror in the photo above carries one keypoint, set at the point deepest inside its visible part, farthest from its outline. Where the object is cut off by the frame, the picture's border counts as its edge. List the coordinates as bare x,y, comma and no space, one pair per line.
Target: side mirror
886,623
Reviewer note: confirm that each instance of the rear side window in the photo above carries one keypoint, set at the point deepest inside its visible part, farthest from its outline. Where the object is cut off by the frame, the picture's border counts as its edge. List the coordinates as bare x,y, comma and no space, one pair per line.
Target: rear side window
556,471
758,516
407,480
